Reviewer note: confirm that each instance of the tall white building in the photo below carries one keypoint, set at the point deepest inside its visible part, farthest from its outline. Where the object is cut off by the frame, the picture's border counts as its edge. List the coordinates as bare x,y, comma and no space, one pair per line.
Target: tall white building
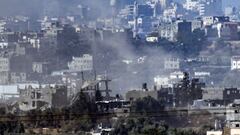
191,5
204,7
84,63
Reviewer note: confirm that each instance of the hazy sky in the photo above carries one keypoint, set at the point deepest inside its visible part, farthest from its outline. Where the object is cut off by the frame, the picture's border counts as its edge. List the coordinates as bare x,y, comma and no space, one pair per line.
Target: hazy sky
35,7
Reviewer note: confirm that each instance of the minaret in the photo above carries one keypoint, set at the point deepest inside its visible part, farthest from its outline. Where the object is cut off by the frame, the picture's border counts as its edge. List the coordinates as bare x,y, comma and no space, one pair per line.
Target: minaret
113,6
135,14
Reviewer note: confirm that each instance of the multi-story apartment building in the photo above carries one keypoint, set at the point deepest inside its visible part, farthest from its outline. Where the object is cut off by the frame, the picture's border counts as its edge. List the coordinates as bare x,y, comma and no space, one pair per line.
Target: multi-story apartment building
172,63
84,63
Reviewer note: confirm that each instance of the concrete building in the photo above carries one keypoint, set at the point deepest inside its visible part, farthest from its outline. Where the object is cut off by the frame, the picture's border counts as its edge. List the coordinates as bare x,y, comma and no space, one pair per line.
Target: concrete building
84,63
213,93
127,11
141,93
177,75
161,81
3,45
170,31
170,13
221,28
233,119
214,132
40,67
210,20
192,5
145,25
167,31
235,63
34,42
4,70
51,28
2,26
168,81
42,97
172,63
196,24
222,96
233,111
228,30
4,64
232,128
17,77
204,7
138,94
4,77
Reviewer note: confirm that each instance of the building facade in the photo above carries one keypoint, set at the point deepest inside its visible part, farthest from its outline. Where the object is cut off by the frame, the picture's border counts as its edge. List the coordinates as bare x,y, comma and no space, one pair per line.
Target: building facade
81,64
172,63
235,63
42,97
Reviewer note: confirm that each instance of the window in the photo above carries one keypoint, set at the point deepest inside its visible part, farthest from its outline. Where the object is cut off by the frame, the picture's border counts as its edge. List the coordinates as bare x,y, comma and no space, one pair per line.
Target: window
33,103
228,92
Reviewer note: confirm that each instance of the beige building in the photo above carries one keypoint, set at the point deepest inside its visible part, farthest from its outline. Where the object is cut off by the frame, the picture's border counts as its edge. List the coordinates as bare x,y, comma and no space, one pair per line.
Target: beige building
234,131
214,132
232,128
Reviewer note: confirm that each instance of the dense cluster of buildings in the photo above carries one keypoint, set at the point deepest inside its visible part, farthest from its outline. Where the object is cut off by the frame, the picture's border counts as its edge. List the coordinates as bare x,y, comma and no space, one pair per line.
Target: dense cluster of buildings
46,62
